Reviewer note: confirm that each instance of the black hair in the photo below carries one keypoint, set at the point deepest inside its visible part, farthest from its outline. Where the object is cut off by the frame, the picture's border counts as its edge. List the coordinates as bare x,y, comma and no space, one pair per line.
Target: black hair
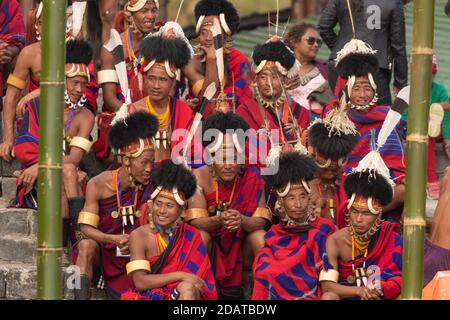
78,51
169,175
334,146
137,125
216,7
274,51
366,185
292,167
158,48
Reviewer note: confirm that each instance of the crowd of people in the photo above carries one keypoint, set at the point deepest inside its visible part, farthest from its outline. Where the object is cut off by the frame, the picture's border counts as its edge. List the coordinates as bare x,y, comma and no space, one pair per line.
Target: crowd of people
212,177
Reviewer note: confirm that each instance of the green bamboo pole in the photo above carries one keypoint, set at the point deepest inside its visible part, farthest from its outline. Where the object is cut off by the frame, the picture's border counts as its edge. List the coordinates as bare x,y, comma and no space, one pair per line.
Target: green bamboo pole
416,149
50,151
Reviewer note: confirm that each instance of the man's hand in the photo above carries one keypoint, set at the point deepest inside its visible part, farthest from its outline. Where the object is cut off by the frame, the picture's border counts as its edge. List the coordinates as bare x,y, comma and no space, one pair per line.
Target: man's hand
5,150
210,52
292,83
28,177
121,241
194,279
395,91
194,103
233,219
5,54
446,145
369,294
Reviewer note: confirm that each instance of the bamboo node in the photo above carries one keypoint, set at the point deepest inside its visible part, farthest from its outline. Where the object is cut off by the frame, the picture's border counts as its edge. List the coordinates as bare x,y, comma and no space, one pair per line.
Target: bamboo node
418,222
50,166
49,249
426,51
52,83
417,138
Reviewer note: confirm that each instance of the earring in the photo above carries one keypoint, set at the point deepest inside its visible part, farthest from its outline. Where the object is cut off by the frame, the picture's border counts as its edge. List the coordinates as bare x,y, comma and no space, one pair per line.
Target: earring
150,214
38,35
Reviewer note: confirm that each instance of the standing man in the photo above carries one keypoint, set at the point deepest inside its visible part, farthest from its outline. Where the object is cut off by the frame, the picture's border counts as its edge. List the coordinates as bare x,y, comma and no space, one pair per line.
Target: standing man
380,23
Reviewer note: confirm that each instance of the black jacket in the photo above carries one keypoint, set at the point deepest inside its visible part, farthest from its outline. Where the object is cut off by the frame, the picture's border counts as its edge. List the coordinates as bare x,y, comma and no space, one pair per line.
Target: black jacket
388,37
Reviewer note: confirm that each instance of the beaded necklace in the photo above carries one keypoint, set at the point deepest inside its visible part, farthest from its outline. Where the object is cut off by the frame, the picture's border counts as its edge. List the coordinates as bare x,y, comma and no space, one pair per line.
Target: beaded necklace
362,246
124,209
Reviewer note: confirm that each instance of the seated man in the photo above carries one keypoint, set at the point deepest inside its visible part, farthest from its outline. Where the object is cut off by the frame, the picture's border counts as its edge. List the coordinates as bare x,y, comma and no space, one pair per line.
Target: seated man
288,265
229,203
113,206
330,141
78,124
437,246
12,38
162,58
365,258
236,70
26,78
357,89
169,260
278,121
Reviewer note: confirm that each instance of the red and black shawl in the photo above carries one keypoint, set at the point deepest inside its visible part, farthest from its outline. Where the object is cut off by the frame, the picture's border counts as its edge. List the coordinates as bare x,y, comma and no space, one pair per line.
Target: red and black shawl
288,266
187,253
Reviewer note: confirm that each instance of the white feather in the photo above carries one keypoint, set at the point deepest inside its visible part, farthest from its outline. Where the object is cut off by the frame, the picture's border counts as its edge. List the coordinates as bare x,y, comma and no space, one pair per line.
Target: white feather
390,122
374,164
120,115
79,9
354,46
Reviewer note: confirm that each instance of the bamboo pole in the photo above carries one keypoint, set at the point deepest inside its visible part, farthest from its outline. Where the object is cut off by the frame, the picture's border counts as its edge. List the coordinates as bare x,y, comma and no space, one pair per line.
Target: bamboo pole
416,149
50,151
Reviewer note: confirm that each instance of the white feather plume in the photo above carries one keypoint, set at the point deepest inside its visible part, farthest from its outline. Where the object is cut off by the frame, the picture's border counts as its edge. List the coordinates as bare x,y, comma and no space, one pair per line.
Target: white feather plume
354,46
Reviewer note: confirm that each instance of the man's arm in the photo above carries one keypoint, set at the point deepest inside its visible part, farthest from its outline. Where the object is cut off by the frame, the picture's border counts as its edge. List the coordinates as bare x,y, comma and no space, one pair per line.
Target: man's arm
142,279
93,196
207,224
109,88
250,224
84,131
329,286
12,97
398,46
328,21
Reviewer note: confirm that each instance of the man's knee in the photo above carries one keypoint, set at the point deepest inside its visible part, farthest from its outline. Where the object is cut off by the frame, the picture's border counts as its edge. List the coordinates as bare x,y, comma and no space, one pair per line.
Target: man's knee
187,290
330,296
256,240
87,248
70,172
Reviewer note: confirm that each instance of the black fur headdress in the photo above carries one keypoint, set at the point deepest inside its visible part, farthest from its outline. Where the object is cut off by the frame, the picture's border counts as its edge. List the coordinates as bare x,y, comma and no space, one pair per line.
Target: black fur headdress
356,58
78,51
332,146
216,7
223,122
136,125
169,175
293,167
158,48
369,185
274,50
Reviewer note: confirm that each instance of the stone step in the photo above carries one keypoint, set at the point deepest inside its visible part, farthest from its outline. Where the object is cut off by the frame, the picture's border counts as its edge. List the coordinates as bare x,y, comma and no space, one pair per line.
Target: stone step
18,222
8,187
17,248
18,281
